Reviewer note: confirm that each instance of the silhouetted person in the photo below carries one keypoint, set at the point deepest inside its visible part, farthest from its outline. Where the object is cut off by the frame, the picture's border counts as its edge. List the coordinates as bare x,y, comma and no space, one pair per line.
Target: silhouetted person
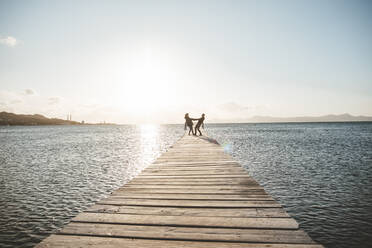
200,123
189,123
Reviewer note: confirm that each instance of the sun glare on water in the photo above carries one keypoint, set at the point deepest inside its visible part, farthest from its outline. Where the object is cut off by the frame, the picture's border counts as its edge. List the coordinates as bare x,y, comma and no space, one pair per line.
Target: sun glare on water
149,141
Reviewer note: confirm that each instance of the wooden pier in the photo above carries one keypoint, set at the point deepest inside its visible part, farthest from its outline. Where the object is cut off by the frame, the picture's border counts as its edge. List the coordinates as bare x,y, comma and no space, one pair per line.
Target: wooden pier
195,195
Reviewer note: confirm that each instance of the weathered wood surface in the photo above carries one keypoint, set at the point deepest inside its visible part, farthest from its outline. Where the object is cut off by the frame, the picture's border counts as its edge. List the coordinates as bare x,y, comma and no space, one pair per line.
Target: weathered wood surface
190,203
106,241
194,195
179,211
183,196
197,221
189,233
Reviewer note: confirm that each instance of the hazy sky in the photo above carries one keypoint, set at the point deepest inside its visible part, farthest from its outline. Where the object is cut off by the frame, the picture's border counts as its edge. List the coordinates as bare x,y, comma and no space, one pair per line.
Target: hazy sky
152,61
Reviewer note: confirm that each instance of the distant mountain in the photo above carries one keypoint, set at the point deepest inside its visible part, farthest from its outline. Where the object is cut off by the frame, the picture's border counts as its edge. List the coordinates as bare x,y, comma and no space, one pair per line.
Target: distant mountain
324,118
14,119
271,119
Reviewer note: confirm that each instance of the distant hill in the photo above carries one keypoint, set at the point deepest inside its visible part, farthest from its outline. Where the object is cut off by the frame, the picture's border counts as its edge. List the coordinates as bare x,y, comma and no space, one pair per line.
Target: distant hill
14,119
324,118
271,119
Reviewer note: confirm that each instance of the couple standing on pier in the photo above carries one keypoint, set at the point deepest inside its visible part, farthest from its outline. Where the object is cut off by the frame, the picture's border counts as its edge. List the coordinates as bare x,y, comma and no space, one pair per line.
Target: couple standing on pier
189,123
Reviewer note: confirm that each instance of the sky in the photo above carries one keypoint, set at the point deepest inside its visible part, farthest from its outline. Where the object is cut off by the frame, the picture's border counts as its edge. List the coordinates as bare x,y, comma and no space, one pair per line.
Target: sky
153,61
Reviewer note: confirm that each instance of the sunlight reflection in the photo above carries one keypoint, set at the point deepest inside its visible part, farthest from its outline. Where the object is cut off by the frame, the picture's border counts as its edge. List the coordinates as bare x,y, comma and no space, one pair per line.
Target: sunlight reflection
149,143
228,148
149,133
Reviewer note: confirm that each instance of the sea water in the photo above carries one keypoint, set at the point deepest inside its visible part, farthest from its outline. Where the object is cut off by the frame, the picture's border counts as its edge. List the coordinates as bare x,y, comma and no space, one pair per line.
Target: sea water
320,172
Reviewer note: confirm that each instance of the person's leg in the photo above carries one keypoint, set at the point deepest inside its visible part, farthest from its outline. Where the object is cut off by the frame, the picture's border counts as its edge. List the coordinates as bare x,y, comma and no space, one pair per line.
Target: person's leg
198,128
200,132
191,130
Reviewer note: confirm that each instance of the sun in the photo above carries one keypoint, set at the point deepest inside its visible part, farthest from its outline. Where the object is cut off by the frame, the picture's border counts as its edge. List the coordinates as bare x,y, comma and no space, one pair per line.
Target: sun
148,82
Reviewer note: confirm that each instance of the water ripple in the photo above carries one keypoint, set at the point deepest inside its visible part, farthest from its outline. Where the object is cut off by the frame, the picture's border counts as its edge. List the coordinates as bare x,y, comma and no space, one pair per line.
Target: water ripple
321,174
50,174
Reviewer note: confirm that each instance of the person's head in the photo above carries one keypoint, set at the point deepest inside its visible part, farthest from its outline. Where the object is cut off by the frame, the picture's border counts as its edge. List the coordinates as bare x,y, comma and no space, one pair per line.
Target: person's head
203,115
187,115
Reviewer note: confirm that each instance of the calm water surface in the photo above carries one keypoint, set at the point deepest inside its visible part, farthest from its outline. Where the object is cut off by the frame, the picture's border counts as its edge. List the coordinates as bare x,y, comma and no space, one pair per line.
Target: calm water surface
321,173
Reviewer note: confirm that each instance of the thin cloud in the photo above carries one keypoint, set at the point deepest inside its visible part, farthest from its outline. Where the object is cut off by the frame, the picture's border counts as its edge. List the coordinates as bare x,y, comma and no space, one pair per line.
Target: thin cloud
9,41
29,92
53,100
232,107
16,101
28,101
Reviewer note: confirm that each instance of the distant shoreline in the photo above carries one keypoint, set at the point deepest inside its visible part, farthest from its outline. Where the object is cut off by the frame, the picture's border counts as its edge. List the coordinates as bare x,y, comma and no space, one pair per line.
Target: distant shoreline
39,125
291,122
11,119
212,123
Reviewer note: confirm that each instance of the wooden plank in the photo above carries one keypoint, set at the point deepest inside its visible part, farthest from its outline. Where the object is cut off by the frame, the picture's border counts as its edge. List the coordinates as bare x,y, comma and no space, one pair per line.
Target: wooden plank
195,154
186,158
193,180
194,183
191,187
190,203
189,195
196,176
73,241
192,157
187,233
191,173
210,163
186,184
124,195
179,211
192,191
196,221
196,163
195,168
